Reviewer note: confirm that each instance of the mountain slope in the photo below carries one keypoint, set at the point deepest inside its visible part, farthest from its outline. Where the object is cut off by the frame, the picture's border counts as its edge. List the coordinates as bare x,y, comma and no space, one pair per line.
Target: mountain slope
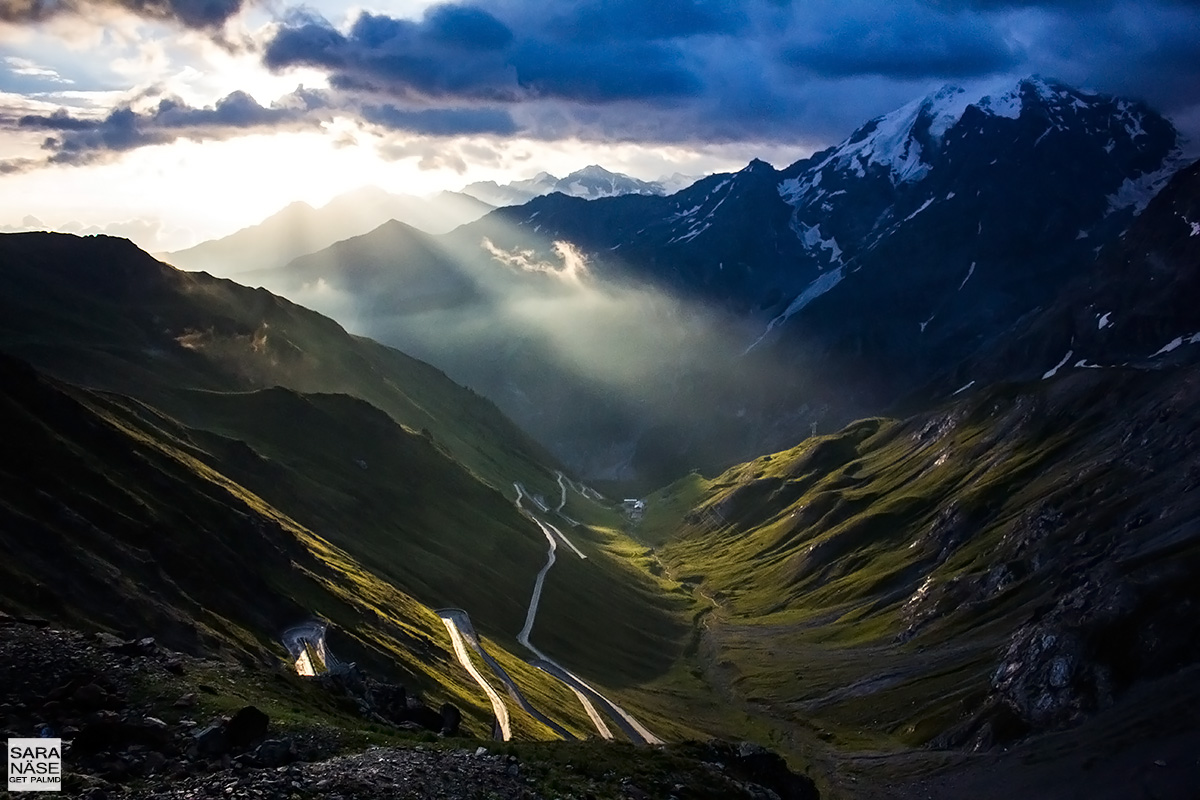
1133,308
119,519
1002,566
299,228
793,299
101,313
1007,157
1018,559
394,267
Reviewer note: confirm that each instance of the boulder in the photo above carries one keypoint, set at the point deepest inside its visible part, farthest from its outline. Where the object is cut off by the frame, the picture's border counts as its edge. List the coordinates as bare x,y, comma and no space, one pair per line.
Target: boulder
247,726
451,719
211,741
275,752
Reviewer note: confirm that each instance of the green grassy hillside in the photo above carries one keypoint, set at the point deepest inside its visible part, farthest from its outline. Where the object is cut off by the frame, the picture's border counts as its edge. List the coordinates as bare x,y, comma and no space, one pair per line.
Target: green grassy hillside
924,581
101,313
121,520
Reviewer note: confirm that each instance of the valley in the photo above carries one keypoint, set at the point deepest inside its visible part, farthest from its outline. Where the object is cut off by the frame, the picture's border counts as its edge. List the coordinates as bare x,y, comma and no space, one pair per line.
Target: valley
888,529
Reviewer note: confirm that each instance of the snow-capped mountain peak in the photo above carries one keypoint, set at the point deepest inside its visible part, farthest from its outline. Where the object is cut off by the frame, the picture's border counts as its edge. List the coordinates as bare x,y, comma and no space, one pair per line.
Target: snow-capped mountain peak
904,145
591,182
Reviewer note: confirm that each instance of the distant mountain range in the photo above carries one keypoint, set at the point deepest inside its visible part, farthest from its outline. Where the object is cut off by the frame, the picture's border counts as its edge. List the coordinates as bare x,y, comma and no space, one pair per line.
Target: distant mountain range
793,299
589,183
299,228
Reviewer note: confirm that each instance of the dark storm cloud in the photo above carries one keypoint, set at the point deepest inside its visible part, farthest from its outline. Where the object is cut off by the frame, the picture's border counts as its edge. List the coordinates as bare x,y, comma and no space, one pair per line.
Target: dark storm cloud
1148,52
77,140
993,5
467,54
467,28
441,121
191,13
899,42
59,120
638,19
624,71
457,53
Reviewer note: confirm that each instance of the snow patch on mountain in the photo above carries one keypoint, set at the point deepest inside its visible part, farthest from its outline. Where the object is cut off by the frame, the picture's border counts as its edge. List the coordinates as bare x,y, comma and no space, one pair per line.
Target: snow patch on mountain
1050,373
810,236
1176,343
820,286
970,272
1007,104
1137,192
924,206
697,229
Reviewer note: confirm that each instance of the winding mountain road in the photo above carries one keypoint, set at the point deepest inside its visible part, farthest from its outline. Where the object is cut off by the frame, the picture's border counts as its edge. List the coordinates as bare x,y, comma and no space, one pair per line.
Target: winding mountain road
587,695
466,629
300,639
312,634
562,485
464,658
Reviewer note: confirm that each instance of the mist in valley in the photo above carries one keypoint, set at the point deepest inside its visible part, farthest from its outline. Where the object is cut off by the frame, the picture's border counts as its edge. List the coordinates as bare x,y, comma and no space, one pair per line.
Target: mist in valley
620,380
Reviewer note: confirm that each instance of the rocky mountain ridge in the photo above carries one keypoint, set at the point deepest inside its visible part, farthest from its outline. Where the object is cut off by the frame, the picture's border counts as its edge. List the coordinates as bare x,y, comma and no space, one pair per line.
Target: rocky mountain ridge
826,291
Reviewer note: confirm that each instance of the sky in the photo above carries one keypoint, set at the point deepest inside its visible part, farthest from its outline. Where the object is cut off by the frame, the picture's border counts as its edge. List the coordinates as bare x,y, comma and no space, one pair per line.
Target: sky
175,121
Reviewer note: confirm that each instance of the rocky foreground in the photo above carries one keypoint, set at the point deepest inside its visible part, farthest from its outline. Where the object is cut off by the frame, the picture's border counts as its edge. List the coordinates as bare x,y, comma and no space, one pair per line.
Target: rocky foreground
140,721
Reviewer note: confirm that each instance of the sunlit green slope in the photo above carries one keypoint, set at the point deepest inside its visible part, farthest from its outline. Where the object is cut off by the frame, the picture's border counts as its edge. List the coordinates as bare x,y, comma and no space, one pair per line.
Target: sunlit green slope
1005,564
115,518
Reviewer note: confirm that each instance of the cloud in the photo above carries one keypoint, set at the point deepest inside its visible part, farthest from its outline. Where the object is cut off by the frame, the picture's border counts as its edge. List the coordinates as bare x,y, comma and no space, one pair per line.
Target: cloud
80,140
58,120
675,71
1148,51
13,166
432,59
903,42
27,68
608,20
767,73
441,121
467,28
208,14
598,75
466,54
571,266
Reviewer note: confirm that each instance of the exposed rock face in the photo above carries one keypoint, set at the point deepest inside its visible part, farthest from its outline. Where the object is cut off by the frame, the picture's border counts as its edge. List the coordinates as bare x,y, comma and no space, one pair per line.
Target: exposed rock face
1099,638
